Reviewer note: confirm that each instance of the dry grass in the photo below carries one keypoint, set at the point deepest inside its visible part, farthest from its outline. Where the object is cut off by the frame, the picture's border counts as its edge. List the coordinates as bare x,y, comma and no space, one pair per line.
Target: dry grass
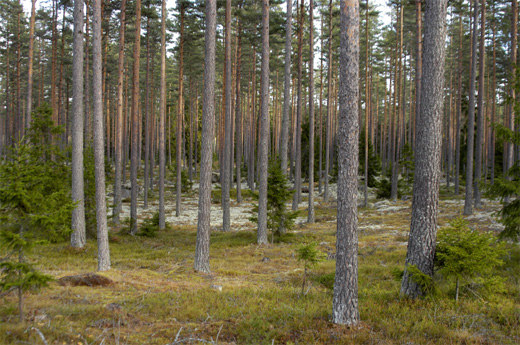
157,294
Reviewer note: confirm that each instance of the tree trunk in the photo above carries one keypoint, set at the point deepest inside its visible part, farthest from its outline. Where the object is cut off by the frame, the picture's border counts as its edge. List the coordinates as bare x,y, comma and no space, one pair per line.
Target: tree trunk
147,117
238,115
459,111
423,229
298,160
119,115
264,128
284,141
418,61
30,65
329,109
480,107
208,128
135,120
99,154
468,201
162,116
226,162
367,105
345,299
310,215
180,115
78,238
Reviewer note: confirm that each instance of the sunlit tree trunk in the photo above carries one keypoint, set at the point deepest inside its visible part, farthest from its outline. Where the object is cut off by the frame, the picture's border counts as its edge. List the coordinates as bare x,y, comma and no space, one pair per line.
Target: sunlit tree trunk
423,229
208,129
78,238
264,128
345,299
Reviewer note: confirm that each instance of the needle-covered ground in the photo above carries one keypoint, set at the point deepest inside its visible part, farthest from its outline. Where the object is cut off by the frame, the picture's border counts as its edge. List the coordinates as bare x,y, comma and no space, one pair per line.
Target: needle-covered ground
253,295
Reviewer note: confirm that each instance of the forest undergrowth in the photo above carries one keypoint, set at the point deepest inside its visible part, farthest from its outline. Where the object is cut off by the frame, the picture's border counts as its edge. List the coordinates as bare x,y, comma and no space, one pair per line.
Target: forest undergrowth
253,295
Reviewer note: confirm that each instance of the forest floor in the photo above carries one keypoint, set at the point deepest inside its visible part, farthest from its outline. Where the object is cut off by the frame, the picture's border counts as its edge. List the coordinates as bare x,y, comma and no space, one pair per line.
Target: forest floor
253,295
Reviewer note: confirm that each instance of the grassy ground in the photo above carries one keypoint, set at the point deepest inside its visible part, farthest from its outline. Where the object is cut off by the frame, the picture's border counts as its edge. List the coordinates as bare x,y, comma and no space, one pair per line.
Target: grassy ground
157,297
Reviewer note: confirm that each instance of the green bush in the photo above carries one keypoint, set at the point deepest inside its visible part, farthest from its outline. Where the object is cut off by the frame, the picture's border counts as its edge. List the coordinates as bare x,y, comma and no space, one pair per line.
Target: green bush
35,203
150,226
279,218
310,255
469,257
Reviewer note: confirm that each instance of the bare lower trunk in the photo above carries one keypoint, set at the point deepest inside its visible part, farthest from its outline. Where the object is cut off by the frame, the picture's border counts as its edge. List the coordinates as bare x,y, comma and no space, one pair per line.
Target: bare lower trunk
162,116
208,128
468,201
78,238
423,229
119,117
99,149
345,299
480,107
284,140
135,120
226,162
310,215
264,128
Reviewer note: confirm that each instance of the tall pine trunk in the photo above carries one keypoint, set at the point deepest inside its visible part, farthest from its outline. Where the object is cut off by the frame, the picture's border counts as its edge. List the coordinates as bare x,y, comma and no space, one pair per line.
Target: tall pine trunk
162,116
310,214
345,299
99,149
134,162
208,128
78,238
468,201
226,162
423,228
119,116
264,128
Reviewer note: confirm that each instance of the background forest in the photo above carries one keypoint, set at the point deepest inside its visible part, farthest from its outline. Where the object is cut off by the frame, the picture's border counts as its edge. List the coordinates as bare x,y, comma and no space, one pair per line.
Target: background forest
234,168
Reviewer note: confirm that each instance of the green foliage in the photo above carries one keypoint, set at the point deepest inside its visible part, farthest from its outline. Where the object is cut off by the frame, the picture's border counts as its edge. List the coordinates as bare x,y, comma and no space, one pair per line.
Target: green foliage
311,256
89,190
407,164
425,282
374,162
35,201
507,188
468,256
186,184
150,226
279,218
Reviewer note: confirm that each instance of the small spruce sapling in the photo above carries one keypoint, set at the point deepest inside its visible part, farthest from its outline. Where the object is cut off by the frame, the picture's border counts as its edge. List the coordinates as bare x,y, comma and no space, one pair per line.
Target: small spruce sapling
310,255
279,218
469,256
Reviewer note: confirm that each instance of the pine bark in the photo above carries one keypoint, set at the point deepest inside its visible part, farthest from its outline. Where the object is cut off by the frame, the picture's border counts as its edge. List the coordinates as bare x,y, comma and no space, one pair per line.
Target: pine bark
30,65
162,117
226,162
264,128
299,110
345,299
238,115
208,128
423,229
310,214
284,140
99,154
329,110
468,201
180,115
119,116
134,162
480,107
78,238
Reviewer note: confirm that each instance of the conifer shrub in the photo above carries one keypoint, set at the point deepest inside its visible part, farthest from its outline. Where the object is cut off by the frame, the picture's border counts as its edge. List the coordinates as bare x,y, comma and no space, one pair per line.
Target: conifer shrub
279,217
374,162
150,226
310,255
469,258
35,203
